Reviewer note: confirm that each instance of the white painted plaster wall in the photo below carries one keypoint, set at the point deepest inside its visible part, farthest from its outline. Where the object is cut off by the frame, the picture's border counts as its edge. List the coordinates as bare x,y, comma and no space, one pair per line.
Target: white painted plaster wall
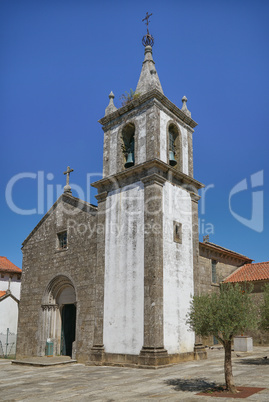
124,270
9,307
185,155
178,270
163,136
164,119
140,135
8,315
15,285
113,151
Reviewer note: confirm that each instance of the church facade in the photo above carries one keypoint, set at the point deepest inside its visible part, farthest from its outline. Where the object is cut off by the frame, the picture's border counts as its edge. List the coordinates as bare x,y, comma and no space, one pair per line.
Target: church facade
119,292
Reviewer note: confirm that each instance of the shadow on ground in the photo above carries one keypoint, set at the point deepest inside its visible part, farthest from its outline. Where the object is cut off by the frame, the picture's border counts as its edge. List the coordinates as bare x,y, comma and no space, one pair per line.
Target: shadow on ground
191,385
258,362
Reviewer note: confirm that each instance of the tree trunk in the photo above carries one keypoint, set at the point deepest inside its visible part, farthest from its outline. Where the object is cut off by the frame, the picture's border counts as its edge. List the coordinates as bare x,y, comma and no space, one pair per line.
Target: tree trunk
228,367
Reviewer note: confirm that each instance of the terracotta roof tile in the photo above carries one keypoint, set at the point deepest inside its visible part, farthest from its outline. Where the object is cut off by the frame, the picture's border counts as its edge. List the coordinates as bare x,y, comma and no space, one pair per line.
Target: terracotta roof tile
8,266
2,293
250,272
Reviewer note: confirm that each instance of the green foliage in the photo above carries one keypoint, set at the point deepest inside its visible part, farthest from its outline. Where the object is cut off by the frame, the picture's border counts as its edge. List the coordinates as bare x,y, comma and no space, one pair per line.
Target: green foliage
264,323
128,97
225,314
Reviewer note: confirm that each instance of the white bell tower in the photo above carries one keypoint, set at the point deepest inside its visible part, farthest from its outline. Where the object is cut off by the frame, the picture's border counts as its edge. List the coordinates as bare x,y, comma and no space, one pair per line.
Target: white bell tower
147,243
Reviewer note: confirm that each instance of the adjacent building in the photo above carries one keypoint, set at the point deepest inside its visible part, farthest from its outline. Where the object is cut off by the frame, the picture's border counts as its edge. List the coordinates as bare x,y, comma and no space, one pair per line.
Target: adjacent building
256,274
10,284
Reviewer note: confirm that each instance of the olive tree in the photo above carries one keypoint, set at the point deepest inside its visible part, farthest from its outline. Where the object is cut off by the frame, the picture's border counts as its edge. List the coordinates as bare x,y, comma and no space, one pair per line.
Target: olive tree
224,314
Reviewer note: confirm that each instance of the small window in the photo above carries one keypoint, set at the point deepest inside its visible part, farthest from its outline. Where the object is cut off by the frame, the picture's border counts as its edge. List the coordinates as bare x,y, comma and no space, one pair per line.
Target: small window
215,340
177,232
62,240
214,271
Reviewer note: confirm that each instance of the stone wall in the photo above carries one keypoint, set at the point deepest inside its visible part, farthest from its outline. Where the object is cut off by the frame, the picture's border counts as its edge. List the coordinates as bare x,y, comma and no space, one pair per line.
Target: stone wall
227,262
43,262
151,120
260,337
205,284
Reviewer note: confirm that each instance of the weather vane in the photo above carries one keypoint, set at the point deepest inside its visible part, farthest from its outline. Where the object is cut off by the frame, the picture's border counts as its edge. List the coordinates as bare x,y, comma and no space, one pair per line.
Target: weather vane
148,39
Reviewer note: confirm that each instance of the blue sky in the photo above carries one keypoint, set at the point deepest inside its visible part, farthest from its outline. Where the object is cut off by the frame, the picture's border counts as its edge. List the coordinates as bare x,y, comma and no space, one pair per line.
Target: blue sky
59,61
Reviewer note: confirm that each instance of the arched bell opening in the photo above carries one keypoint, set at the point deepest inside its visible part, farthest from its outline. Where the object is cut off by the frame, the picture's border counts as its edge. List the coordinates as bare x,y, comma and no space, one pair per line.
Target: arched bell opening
59,315
128,145
174,146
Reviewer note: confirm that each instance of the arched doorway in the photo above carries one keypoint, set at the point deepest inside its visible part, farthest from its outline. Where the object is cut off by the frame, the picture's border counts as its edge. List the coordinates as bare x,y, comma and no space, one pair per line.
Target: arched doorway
68,329
66,300
59,316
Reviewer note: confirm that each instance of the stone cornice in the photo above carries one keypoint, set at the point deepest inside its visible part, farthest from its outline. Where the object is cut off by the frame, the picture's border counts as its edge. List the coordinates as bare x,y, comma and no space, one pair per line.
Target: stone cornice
222,252
195,197
154,93
153,179
144,170
101,197
50,307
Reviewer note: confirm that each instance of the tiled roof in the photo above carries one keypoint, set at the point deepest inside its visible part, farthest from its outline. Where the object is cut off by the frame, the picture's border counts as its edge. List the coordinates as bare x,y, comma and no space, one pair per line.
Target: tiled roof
8,266
220,249
250,272
2,293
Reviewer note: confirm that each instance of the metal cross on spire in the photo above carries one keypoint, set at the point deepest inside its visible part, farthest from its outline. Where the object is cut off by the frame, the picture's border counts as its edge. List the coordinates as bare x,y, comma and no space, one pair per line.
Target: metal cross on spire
148,39
67,188
147,23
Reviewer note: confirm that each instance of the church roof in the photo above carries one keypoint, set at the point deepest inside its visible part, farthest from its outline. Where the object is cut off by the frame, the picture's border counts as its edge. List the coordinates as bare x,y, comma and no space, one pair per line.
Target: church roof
258,271
69,199
7,266
223,250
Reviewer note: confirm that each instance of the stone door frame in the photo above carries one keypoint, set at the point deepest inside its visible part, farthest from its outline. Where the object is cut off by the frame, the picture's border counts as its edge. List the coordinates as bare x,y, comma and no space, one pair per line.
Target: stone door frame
51,320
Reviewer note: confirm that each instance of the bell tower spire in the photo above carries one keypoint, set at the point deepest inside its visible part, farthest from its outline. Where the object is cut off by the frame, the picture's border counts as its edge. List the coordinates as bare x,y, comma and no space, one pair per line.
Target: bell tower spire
148,79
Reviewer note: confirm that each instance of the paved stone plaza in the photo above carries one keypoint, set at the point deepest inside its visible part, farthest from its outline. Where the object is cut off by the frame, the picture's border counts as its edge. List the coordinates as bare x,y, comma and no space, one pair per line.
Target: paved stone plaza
181,382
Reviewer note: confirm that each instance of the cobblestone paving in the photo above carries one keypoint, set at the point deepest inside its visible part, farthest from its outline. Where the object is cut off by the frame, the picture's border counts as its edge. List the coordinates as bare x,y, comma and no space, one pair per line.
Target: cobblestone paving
77,382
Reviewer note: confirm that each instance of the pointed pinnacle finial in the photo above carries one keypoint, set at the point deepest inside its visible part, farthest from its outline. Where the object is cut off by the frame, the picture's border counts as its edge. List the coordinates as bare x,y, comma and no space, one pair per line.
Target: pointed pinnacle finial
184,106
111,107
148,79
148,39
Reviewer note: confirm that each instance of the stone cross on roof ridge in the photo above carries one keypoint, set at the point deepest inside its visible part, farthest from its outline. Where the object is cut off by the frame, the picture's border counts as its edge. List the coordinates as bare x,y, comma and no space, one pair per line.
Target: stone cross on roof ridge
67,188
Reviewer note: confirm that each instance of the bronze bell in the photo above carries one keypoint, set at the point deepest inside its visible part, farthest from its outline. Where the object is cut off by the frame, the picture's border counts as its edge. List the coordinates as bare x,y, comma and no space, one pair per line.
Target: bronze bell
130,160
172,160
